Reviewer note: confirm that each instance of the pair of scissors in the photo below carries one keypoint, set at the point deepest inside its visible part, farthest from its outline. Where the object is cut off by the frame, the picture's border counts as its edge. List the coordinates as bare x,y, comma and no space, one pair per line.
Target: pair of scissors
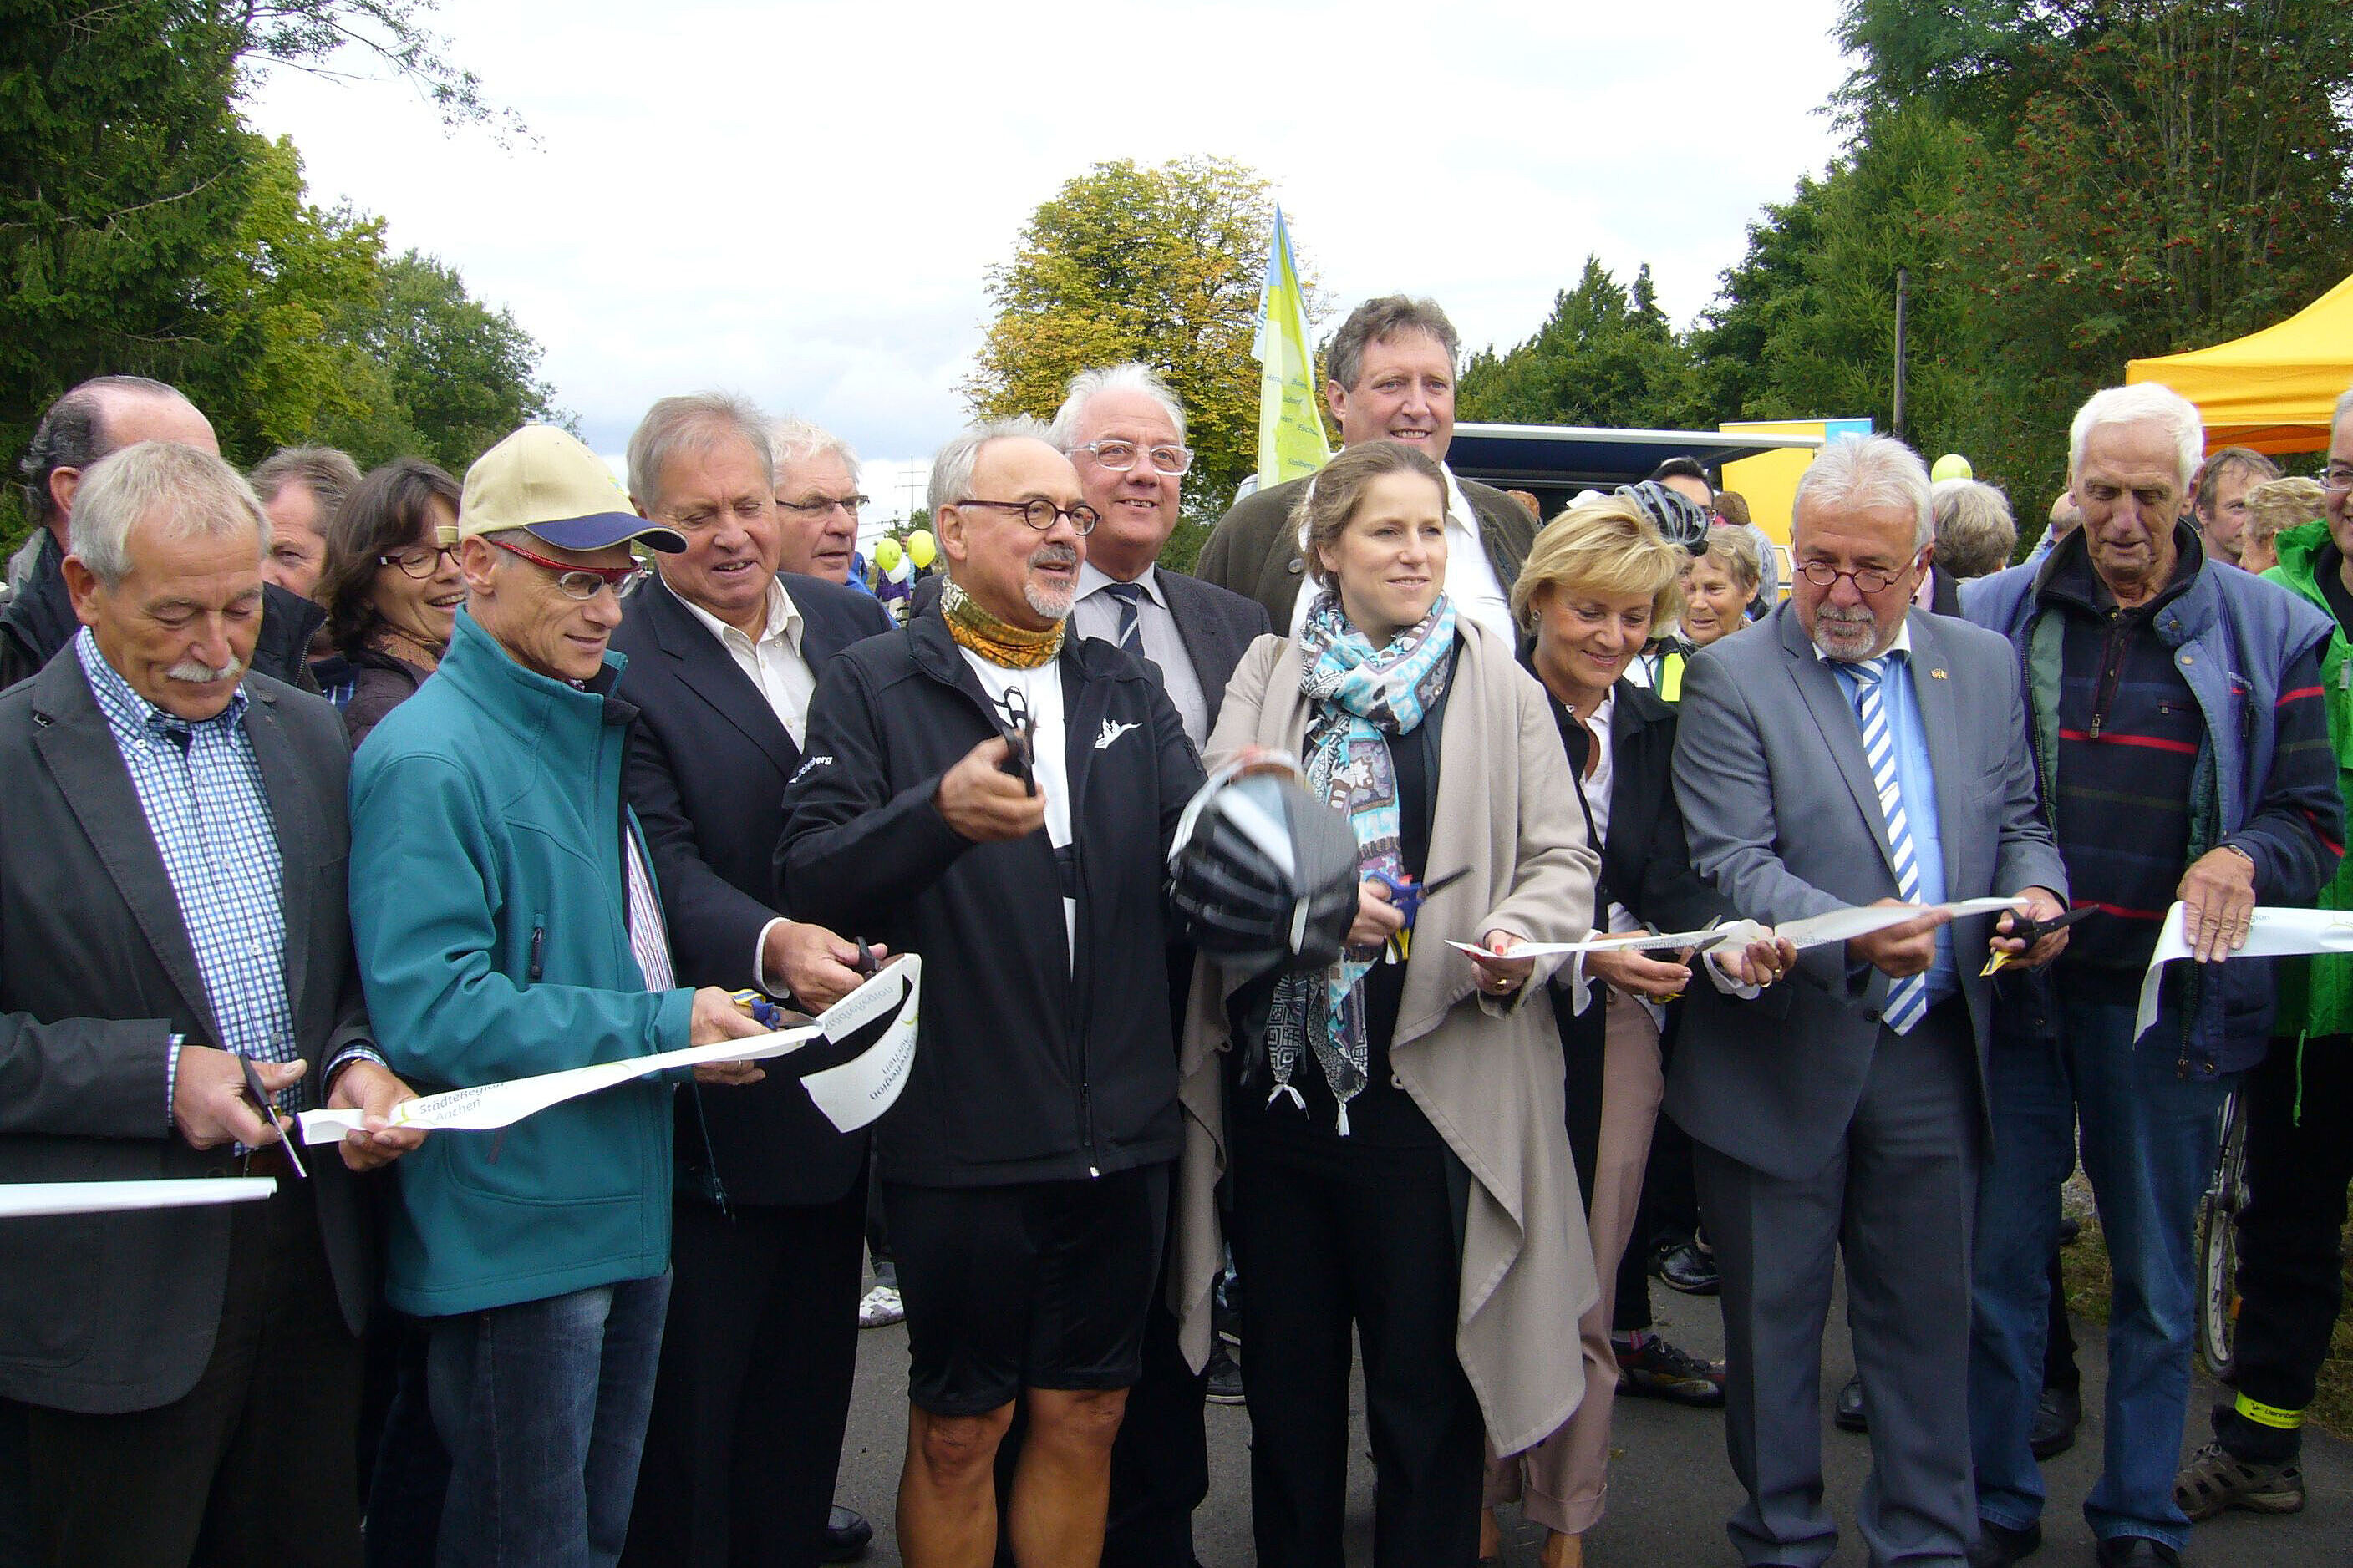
261,1098
2031,931
1406,895
1022,726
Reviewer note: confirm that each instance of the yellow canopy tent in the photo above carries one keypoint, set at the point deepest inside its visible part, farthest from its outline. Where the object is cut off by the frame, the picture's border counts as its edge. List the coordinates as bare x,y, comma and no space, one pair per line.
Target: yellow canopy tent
2272,390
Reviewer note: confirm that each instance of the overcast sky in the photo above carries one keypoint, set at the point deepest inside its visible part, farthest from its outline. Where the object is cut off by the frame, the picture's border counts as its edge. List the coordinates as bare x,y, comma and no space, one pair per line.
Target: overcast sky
800,201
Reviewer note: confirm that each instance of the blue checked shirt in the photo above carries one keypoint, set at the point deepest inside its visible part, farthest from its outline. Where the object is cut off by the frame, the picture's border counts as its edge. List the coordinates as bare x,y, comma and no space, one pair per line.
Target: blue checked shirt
199,786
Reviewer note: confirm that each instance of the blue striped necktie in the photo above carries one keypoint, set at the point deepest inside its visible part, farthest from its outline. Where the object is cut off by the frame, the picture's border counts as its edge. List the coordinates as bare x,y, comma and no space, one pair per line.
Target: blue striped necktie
1907,999
1130,635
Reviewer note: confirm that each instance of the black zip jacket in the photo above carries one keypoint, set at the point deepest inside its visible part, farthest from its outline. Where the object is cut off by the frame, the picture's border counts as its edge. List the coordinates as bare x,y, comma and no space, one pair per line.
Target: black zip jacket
1031,1064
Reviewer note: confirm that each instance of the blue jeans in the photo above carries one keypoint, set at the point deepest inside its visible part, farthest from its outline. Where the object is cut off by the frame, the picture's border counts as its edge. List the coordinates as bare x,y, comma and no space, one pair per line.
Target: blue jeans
2149,1145
543,1408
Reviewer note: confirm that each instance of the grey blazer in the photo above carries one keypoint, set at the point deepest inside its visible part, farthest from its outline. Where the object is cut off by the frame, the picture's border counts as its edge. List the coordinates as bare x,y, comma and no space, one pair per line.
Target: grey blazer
109,1313
1782,818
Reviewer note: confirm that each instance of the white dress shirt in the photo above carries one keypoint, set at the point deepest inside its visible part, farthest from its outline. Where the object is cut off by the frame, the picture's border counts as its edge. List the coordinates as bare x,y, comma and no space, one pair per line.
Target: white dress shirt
773,661
1096,614
1042,688
1471,581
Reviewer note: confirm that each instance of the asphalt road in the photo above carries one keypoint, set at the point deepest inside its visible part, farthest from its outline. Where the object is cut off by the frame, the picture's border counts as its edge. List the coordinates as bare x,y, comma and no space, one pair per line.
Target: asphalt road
1671,1489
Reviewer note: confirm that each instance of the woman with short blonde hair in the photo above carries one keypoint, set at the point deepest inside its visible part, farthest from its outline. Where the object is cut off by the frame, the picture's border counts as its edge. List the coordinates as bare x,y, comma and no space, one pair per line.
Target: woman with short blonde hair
1597,578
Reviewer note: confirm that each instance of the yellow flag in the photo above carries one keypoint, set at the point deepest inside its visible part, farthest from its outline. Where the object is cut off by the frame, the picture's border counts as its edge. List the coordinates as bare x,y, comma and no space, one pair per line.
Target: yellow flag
1290,442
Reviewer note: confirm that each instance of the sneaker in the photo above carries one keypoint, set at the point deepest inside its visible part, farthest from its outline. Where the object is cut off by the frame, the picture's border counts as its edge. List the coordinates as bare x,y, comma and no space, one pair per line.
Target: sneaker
1660,1371
1685,1268
2215,1479
1225,1377
881,1308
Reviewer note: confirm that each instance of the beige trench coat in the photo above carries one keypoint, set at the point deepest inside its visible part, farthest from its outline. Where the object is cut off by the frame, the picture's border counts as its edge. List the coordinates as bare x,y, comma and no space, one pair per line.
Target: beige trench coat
1486,1072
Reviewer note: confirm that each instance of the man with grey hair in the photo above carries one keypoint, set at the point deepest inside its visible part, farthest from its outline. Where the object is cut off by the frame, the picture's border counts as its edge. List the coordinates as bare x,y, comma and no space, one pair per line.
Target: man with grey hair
998,795
176,979
2176,710
1389,376
817,500
302,489
1974,531
760,1347
1850,1113
100,416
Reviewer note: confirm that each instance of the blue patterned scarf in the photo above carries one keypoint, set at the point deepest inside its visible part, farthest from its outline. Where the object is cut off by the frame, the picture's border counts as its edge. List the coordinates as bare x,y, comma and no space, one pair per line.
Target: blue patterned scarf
1362,695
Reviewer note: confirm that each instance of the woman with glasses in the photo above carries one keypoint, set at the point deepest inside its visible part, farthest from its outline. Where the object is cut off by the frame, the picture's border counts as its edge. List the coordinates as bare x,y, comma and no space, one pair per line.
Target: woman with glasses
1598,578
1396,1139
390,586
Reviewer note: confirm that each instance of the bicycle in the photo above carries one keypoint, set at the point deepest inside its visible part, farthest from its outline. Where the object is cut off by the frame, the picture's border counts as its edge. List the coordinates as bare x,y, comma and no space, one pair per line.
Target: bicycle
2218,1243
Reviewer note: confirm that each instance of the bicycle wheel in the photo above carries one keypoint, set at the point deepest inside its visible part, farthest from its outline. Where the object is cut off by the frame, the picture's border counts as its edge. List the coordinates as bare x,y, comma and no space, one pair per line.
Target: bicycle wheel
2218,1245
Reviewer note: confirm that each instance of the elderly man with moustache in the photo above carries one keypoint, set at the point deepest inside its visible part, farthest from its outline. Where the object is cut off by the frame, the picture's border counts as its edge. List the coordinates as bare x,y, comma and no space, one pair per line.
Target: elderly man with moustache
999,797
1123,429
1389,377
2181,734
100,416
761,1343
1847,1113
172,896
510,924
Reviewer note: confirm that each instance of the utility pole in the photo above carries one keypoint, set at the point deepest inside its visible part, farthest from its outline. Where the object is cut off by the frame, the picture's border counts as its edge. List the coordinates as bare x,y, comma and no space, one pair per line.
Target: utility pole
1903,302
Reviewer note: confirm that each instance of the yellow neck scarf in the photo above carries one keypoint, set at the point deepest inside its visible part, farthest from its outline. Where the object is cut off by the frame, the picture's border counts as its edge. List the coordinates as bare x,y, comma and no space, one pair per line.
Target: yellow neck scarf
1000,642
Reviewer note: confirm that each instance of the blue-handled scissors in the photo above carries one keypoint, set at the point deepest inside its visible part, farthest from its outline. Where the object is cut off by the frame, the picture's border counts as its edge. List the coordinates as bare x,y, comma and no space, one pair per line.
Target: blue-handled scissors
1406,895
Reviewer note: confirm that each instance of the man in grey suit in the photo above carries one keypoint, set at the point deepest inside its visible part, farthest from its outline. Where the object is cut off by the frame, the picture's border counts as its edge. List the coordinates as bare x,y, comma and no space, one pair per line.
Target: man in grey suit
172,899
1850,1112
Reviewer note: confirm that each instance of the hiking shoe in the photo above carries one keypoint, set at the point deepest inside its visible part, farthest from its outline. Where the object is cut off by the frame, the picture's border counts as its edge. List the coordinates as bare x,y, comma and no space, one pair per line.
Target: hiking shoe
2215,1479
1660,1371
1225,1377
881,1308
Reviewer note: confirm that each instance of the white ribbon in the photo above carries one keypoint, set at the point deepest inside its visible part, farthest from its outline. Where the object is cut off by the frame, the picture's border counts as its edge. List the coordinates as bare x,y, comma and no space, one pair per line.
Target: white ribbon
21,1200
1816,931
861,1089
2272,933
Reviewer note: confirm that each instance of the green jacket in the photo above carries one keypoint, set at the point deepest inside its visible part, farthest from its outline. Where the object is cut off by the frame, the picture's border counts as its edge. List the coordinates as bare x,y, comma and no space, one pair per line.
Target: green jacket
2315,993
490,913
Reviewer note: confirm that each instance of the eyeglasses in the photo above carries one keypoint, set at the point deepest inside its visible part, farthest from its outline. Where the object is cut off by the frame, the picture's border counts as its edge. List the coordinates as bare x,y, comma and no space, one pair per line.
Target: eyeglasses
2337,476
1041,514
818,505
420,561
1119,456
578,582
1867,580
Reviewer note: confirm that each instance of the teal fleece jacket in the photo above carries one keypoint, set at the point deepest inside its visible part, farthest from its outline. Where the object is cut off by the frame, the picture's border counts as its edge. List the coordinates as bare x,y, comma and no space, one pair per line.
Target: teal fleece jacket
491,916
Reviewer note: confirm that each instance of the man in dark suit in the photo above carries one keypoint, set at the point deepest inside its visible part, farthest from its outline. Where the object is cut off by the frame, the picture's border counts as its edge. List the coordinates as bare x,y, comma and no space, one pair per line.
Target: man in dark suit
172,899
1390,370
769,1223
102,416
1849,1112
1123,430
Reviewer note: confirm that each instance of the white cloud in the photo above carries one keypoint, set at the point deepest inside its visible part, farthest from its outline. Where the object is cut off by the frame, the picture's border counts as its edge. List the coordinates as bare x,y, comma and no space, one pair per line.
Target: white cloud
800,201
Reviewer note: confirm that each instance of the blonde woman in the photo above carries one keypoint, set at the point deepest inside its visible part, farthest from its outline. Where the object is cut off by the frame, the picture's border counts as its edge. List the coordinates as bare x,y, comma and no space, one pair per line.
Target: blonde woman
1598,578
1400,1168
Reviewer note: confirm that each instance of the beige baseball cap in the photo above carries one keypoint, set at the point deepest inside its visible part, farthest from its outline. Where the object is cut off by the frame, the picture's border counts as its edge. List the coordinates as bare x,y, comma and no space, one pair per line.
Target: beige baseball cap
547,481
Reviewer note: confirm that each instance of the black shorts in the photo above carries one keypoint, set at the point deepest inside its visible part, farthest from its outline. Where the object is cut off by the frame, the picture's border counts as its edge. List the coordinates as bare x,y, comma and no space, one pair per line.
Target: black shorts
1038,1285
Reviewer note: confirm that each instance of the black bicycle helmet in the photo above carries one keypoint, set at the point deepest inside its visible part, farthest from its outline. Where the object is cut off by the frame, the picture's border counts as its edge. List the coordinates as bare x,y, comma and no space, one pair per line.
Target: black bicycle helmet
1262,873
1679,518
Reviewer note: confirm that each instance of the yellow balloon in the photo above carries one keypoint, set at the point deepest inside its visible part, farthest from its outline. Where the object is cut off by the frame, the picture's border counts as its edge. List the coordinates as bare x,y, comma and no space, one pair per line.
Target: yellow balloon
1952,466
923,549
886,555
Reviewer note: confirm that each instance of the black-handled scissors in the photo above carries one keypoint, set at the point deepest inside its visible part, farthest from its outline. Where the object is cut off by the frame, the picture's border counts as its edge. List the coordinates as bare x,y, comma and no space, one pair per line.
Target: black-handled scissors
1021,736
2031,931
268,1113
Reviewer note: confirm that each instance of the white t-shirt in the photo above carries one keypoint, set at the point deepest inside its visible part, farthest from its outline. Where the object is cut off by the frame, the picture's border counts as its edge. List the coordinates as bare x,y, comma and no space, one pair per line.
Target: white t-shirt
1471,581
1042,688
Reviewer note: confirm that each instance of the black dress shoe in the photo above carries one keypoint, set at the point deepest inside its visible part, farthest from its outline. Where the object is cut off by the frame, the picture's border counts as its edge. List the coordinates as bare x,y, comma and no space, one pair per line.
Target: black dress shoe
2056,1415
2137,1552
1848,1415
1684,1267
846,1535
1999,1546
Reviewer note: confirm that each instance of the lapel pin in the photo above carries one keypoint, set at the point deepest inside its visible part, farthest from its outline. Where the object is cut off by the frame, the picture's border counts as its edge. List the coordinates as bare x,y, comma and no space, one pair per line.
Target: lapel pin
1937,675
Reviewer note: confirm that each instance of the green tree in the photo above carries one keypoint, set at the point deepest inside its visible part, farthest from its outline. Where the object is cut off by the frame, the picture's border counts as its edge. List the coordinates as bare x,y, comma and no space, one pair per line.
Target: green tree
462,375
1161,265
1607,356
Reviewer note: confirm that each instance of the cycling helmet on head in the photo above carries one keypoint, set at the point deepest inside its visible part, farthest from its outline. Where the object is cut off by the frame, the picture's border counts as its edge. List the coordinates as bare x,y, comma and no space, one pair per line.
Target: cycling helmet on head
1262,873
1679,518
